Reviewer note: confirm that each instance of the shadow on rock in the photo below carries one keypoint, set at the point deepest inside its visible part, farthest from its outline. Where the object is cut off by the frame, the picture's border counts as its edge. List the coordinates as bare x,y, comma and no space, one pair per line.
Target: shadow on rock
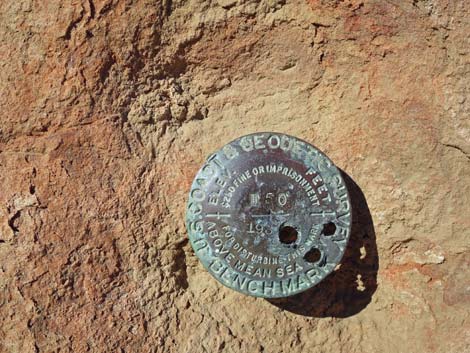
348,290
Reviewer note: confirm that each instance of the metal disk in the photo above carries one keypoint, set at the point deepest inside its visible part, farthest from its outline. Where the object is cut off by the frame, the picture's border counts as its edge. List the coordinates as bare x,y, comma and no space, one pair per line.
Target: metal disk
269,215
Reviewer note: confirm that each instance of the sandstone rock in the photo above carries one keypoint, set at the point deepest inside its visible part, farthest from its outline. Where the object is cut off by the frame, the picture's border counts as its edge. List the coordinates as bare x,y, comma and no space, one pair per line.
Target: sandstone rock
110,107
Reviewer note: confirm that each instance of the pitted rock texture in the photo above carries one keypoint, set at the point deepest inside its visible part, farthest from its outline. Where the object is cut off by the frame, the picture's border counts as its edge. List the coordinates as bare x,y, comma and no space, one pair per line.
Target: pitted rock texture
109,107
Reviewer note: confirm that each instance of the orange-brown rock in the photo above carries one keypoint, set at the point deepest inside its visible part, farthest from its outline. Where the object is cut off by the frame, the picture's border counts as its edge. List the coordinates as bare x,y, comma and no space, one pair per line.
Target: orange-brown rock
110,106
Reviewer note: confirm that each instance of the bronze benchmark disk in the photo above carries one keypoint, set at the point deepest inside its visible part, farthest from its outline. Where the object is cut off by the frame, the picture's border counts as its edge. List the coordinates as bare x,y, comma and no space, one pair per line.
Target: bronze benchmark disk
269,215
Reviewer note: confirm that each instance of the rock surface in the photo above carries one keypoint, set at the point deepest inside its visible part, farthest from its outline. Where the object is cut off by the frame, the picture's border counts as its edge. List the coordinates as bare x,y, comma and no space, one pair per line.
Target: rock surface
110,106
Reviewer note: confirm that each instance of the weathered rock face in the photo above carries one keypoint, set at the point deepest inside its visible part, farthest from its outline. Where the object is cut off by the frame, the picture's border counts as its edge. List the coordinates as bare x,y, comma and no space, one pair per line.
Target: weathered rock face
108,109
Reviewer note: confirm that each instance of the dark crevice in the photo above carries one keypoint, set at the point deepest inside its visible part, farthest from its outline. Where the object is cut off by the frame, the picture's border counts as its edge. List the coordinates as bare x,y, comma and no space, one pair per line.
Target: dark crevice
106,8
458,149
92,8
168,7
72,26
11,221
106,68
318,25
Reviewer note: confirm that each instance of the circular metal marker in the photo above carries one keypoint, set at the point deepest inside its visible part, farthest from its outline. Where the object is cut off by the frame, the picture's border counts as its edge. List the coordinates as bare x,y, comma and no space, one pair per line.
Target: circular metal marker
269,215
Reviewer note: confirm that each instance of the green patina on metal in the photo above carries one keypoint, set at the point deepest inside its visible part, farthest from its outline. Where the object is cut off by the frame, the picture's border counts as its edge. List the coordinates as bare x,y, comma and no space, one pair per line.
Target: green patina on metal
269,215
